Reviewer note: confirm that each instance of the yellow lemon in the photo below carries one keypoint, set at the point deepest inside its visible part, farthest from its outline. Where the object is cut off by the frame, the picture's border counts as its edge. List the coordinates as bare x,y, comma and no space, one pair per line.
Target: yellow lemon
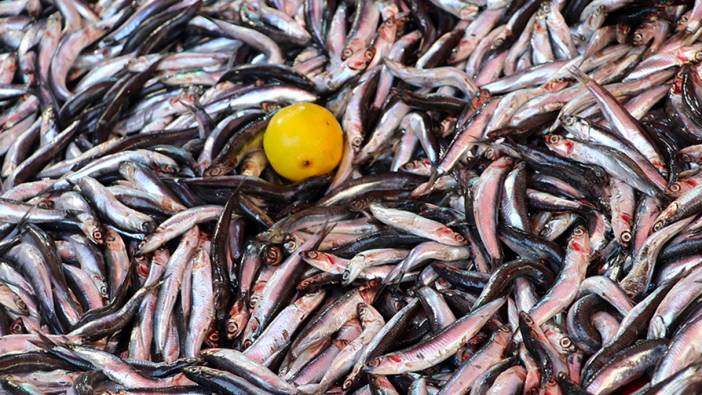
303,140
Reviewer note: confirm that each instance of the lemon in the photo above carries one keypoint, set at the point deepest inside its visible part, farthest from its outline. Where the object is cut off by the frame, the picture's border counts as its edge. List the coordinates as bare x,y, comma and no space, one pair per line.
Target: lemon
303,140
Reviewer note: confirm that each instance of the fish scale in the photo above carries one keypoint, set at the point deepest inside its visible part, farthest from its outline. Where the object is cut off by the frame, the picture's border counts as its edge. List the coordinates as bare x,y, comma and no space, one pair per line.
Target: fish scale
516,210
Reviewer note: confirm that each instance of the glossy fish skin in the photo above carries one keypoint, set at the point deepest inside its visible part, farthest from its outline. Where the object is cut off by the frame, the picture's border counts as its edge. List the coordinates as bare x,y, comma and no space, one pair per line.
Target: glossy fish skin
569,279
232,360
516,210
683,206
639,277
541,350
142,332
277,290
626,366
371,323
110,323
680,352
532,247
488,192
168,291
417,225
332,317
609,291
109,206
275,337
382,340
580,328
456,334
471,369
622,204
500,279
677,300
218,380
617,165
177,225
624,124
29,262
201,312
631,326
513,208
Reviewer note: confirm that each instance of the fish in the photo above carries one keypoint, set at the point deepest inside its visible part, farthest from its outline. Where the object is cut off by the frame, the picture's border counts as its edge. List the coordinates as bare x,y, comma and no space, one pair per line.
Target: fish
517,208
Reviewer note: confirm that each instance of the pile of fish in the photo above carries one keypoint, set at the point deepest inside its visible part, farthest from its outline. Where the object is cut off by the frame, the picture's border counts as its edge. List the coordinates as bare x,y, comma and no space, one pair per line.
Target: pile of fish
517,208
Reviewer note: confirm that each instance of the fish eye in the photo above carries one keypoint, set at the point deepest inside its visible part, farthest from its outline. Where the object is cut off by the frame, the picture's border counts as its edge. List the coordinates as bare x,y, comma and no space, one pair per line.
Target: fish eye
97,235
375,362
554,139
675,187
579,231
17,326
311,254
565,342
358,204
215,171
626,236
698,56
568,120
305,283
346,53
290,245
274,255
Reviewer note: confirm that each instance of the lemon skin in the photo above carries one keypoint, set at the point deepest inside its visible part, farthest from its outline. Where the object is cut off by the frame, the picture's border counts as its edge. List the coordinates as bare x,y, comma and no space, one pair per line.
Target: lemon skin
303,140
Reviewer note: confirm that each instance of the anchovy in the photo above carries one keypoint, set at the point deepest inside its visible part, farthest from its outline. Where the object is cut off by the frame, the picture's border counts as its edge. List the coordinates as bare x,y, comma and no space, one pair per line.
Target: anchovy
436,349
516,209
